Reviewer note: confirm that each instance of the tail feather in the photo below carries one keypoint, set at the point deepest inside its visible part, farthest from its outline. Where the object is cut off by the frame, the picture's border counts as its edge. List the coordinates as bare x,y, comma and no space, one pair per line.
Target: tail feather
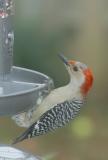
23,136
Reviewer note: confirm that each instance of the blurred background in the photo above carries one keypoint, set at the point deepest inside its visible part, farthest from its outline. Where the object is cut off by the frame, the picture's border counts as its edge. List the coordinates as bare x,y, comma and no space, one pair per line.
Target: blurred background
79,29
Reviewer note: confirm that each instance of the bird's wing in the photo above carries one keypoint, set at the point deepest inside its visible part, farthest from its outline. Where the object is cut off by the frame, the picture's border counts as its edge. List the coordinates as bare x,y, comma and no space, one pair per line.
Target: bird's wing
54,118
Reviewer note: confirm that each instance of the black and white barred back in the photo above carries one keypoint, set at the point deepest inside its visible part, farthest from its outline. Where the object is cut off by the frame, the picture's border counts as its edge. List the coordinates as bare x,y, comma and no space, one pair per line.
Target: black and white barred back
56,117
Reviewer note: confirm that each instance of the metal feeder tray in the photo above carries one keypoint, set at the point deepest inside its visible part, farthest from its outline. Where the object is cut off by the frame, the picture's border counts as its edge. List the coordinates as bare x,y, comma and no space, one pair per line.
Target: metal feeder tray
11,153
22,90
19,87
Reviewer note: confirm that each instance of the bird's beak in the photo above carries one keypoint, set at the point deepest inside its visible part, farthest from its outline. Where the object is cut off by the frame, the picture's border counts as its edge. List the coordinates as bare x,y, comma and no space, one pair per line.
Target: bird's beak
64,59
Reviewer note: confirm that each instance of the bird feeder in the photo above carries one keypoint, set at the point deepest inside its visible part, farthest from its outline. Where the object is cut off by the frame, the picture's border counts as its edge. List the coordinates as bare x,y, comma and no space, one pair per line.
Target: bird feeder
10,153
19,87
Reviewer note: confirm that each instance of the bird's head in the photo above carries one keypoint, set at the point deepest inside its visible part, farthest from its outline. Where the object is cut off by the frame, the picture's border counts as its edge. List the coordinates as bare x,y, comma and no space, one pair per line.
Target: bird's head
80,74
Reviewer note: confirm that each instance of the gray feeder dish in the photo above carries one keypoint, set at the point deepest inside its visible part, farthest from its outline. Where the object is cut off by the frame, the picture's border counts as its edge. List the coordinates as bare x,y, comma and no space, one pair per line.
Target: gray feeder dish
11,153
20,90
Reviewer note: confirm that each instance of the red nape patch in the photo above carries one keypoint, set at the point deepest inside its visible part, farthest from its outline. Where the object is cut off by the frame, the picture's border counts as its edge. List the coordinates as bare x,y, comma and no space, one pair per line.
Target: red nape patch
88,81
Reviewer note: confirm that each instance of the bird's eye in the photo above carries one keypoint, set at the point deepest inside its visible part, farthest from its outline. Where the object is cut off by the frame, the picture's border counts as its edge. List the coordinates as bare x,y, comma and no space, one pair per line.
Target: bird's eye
75,68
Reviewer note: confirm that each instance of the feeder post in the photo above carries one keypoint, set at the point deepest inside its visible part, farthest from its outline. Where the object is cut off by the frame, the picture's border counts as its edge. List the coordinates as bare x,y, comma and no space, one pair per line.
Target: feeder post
6,37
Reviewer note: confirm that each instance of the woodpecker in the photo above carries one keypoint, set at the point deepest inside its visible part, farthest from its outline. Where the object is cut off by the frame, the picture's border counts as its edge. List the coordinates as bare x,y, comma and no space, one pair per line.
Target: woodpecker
62,104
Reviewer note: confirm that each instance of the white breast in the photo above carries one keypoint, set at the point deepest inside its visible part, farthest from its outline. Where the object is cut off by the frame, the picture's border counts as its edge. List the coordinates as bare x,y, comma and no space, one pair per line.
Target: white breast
57,96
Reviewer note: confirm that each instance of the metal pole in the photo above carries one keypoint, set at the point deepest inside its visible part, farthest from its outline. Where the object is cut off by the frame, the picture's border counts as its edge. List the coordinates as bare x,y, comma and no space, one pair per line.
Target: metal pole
6,37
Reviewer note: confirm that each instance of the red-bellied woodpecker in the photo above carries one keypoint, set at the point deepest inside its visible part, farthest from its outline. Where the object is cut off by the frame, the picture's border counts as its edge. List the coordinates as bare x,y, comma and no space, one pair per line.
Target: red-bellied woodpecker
63,103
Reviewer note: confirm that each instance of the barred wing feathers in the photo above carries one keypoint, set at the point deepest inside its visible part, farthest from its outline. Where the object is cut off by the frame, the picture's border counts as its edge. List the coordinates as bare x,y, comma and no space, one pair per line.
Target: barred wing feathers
56,117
